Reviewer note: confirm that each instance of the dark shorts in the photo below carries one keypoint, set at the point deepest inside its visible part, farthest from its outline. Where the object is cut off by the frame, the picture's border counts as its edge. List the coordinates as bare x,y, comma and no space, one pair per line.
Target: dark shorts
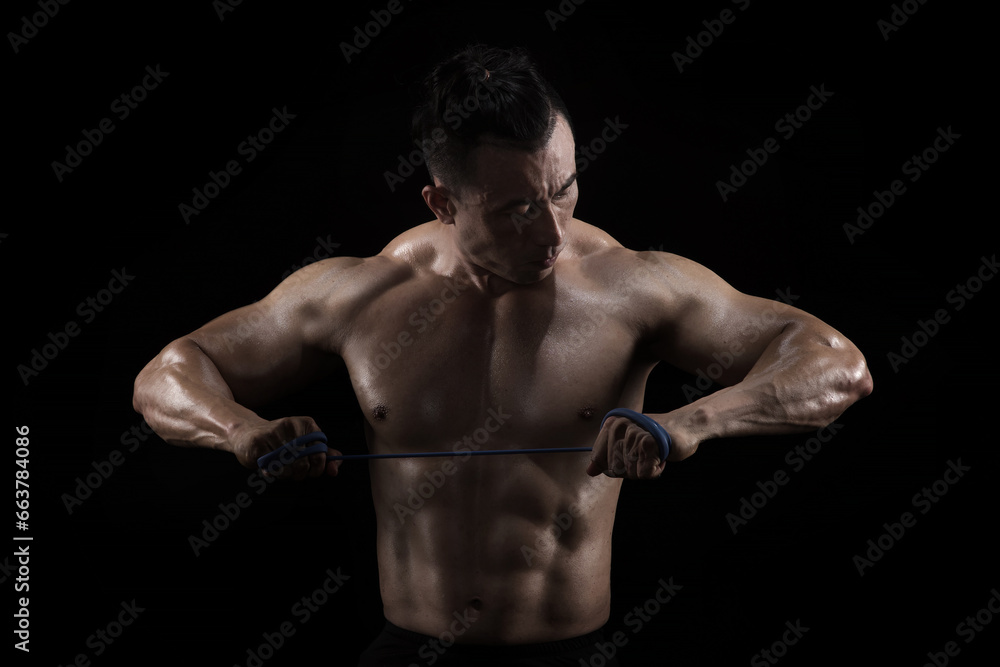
397,647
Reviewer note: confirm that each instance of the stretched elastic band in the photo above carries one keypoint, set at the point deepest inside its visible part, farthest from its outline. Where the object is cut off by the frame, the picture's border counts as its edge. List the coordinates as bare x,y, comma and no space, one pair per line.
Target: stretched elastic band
292,447
461,452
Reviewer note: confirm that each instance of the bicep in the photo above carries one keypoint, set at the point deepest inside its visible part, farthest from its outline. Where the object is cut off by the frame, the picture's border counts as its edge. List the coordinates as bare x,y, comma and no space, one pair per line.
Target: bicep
701,323
274,346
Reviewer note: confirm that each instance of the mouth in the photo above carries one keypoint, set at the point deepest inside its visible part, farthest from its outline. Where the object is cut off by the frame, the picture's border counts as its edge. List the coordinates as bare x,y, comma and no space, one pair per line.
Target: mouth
546,262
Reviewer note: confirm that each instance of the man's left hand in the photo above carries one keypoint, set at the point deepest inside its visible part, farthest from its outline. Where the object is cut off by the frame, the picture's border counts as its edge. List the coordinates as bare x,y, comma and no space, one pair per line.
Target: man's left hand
625,449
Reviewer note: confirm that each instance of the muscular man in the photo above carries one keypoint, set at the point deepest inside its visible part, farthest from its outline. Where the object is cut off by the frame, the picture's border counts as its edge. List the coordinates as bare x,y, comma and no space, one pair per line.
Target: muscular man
511,325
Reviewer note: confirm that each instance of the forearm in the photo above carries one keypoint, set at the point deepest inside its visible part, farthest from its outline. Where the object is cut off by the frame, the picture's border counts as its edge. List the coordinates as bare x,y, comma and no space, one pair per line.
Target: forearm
803,381
185,400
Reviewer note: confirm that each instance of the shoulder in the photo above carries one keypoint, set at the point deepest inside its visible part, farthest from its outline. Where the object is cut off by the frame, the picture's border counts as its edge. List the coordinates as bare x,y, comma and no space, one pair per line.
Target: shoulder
332,292
606,260
365,277
654,288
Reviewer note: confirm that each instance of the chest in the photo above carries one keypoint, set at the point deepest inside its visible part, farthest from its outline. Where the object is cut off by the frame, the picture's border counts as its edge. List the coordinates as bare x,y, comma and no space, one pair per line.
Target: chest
432,363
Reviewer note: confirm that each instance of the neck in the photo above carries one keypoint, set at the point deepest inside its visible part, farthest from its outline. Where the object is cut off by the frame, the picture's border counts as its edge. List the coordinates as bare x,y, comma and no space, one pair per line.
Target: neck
457,265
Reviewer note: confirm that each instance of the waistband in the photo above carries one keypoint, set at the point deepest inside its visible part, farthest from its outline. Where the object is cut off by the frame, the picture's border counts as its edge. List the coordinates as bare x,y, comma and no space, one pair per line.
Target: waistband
557,647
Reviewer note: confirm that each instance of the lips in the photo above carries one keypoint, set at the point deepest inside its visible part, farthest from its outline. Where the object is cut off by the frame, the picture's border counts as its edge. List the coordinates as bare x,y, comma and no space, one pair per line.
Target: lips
546,261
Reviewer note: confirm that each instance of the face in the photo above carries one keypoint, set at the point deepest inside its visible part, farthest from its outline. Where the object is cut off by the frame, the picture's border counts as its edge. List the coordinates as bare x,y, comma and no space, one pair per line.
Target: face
512,216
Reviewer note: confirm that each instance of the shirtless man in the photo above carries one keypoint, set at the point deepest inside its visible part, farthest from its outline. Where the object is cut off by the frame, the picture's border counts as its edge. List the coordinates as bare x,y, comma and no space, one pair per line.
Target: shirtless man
505,323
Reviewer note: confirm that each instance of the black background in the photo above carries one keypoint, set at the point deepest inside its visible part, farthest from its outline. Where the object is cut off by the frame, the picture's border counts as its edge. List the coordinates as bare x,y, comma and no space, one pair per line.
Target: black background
655,186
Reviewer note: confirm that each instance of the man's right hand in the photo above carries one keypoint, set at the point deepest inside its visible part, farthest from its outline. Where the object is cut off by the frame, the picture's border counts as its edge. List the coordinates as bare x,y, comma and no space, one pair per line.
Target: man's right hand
253,441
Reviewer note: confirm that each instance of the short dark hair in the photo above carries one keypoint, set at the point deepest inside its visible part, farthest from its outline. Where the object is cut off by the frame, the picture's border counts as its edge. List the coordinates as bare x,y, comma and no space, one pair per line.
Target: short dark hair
482,94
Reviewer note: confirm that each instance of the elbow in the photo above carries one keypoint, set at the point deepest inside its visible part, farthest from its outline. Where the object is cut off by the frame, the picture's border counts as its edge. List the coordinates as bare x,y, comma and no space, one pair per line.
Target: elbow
853,382
865,384
842,379
858,377
149,381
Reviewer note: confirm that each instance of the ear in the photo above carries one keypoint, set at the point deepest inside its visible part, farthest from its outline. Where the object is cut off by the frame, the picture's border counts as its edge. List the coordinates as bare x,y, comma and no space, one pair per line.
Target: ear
440,201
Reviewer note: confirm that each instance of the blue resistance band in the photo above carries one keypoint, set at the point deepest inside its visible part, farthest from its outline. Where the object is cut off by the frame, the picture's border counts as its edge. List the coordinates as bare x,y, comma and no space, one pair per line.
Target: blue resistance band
291,451
659,434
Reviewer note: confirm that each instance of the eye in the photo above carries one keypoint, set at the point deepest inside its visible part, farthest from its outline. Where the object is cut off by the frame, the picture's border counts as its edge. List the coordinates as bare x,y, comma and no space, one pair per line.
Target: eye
523,209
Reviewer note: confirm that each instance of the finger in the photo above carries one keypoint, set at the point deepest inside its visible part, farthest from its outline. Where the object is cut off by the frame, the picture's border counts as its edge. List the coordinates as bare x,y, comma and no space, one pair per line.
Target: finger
632,450
295,457
286,466
650,465
608,457
617,466
599,455
299,470
333,467
623,433
317,465
642,454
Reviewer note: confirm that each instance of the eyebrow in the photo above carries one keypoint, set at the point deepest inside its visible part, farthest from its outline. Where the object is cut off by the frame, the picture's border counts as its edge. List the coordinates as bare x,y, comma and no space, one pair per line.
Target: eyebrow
526,200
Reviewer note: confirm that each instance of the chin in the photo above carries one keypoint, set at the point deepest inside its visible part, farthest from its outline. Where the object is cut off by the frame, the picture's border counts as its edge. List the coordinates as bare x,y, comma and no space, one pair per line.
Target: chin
534,276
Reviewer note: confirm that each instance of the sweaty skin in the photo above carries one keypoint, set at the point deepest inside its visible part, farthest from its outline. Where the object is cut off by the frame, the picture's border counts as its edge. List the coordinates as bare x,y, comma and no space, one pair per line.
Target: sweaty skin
505,323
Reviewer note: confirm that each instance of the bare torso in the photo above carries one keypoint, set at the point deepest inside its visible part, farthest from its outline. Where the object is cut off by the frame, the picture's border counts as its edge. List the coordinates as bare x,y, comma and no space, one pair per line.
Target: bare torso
513,548
516,546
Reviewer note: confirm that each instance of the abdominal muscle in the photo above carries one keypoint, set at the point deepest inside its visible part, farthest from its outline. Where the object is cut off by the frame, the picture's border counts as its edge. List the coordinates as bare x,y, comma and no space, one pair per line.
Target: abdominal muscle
509,549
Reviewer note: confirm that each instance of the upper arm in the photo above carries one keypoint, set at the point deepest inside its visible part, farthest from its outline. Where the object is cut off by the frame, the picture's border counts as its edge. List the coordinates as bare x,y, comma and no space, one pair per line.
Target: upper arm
285,340
697,321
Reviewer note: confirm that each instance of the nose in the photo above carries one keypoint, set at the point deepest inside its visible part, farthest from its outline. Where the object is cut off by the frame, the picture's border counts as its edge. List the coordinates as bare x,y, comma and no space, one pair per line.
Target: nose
547,229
